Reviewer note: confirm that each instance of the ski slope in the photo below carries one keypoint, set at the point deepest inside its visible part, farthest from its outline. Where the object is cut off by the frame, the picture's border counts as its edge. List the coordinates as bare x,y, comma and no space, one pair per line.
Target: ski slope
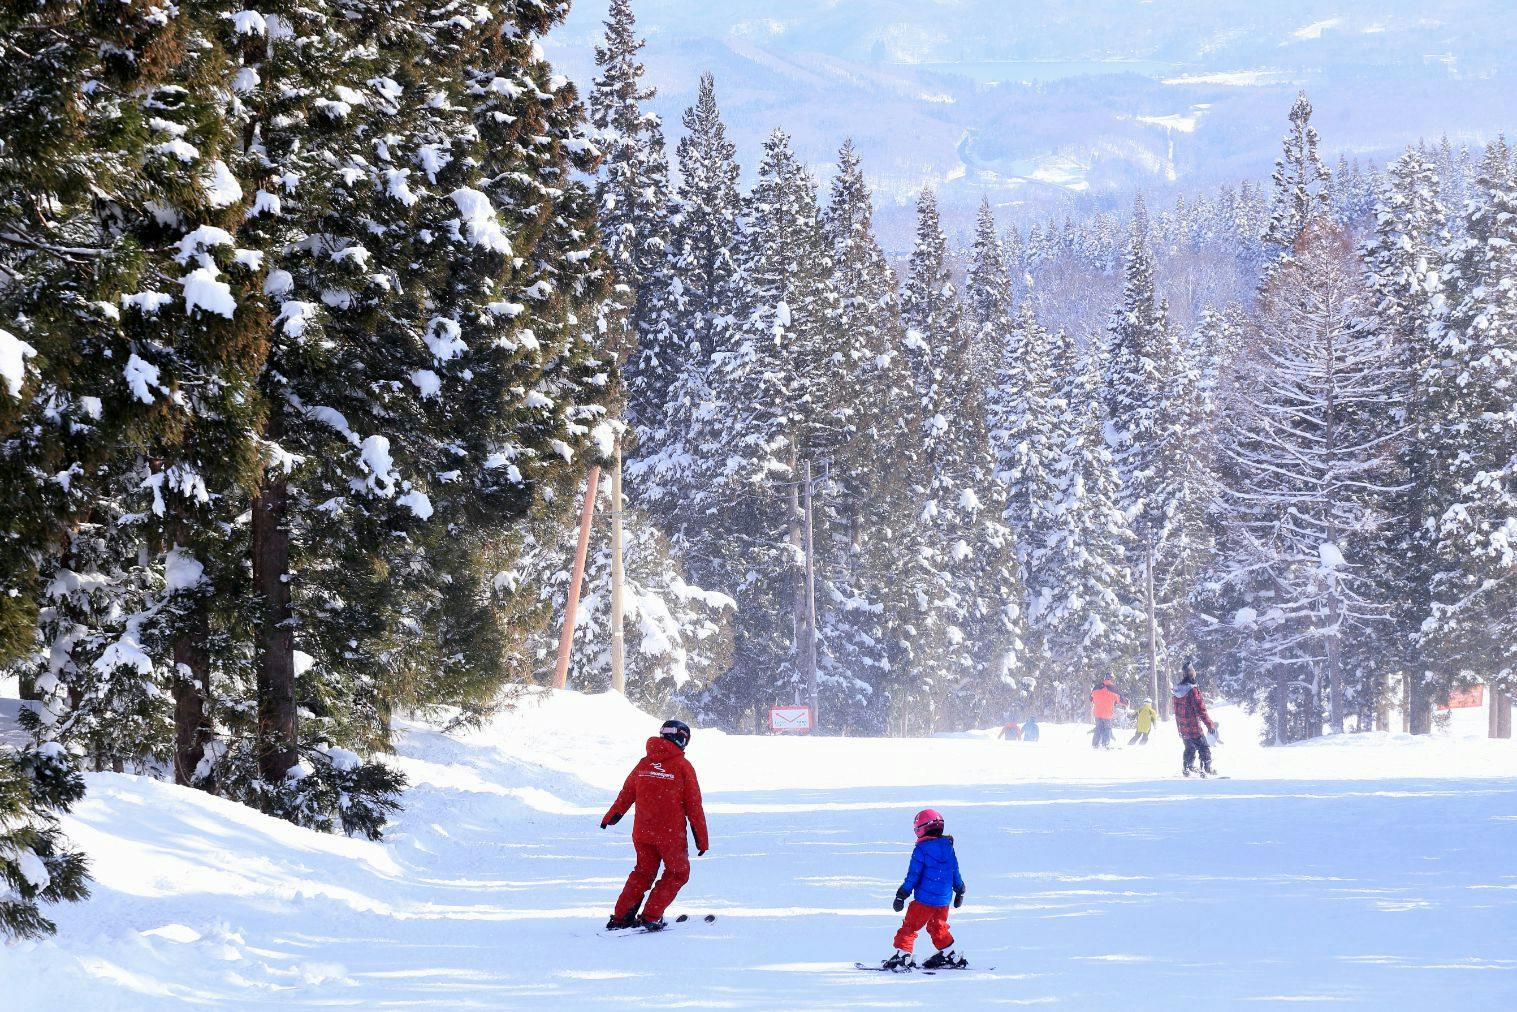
1374,871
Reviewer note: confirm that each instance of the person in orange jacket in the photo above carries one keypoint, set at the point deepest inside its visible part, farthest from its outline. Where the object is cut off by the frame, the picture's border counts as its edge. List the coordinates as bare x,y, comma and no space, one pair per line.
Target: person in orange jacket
667,795
1103,705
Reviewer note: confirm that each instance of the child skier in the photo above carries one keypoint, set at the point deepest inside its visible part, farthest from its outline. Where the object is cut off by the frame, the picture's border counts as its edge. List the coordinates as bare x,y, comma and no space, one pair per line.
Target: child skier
933,877
1190,715
664,789
1144,723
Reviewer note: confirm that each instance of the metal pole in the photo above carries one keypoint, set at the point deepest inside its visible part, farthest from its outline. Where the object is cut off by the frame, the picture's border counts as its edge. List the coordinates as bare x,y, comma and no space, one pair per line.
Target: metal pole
810,605
618,672
571,606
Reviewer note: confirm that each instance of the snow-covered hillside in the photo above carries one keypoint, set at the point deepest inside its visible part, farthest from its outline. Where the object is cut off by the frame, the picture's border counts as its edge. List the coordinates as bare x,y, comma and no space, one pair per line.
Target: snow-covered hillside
1037,101
1373,870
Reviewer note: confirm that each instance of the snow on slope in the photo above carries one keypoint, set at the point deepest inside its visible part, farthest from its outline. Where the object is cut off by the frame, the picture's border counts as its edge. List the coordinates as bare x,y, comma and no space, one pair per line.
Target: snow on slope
1373,870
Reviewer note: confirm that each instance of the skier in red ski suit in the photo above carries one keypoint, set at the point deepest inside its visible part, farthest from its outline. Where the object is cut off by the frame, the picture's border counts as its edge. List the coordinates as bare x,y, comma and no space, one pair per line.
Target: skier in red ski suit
664,789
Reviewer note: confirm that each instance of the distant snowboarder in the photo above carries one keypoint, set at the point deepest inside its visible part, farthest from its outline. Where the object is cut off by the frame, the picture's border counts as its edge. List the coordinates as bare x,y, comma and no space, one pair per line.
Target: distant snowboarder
932,878
1030,729
1190,715
1011,731
667,795
1143,722
1103,705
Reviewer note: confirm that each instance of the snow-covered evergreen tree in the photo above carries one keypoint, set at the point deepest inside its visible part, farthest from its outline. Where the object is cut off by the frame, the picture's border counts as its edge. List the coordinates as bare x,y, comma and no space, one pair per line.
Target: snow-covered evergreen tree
632,194
1302,183
973,640
1082,573
1150,390
1312,463
1406,260
37,785
698,311
765,389
868,595
1473,438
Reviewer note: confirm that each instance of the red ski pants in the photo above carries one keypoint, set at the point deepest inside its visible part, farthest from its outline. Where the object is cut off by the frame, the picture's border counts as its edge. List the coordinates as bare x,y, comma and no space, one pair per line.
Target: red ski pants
676,861
919,916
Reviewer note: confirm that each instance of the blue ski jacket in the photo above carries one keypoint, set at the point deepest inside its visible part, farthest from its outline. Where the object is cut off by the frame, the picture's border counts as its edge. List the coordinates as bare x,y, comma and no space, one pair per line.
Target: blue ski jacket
934,872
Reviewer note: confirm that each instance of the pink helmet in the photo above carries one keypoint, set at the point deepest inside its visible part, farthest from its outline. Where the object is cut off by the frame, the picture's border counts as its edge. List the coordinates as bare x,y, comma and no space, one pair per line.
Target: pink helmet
926,819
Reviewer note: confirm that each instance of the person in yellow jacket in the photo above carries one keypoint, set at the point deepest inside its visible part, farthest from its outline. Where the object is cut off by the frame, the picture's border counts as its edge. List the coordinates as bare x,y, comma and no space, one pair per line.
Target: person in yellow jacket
1144,720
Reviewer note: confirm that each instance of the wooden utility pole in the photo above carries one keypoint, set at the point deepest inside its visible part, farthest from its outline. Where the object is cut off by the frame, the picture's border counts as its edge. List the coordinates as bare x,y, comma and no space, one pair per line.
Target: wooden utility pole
618,671
1161,702
810,605
571,605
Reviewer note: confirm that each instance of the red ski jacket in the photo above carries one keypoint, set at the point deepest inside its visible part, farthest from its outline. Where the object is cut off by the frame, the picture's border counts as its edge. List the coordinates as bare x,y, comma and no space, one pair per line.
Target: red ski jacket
1104,703
664,789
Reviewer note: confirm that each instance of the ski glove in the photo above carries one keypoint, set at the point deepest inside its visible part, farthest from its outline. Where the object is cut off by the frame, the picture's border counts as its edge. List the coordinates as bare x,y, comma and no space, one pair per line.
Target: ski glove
958,899
700,853
900,902
610,820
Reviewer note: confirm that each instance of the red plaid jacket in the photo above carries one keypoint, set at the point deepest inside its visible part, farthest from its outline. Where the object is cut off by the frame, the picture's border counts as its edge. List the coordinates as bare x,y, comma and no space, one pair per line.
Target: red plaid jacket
1190,714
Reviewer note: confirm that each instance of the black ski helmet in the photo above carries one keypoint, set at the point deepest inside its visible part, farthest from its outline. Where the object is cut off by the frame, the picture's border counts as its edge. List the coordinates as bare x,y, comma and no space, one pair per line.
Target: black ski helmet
676,731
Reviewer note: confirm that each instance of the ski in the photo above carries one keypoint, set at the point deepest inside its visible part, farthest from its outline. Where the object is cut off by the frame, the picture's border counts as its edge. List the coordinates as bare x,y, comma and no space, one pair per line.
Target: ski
914,968
640,930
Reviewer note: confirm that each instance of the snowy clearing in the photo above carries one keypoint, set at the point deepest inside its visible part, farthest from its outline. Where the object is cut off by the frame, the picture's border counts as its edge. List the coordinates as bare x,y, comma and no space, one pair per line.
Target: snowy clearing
1373,871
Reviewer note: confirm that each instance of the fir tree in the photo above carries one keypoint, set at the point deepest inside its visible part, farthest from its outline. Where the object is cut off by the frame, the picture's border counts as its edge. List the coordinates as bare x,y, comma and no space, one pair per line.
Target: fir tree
1473,437
869,598
1150,391
37,785
1405,260
1083,576
1302,182
632,193
1312,463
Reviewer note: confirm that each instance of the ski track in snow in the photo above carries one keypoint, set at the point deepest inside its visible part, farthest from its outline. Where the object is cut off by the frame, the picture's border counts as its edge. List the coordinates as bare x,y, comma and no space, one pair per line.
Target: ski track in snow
1372,872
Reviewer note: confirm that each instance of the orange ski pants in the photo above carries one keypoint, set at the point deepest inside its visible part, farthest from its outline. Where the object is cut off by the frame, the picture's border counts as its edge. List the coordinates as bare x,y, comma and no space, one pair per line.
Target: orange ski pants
919,916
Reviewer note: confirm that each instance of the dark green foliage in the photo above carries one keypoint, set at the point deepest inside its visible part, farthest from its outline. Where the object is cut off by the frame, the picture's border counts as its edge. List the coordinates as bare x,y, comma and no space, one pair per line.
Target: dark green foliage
36,866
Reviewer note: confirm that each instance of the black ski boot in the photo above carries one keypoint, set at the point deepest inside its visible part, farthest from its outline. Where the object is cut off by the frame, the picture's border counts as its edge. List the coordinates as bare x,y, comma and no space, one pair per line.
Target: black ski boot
619,923
945,959
1186,771
650,925
900,962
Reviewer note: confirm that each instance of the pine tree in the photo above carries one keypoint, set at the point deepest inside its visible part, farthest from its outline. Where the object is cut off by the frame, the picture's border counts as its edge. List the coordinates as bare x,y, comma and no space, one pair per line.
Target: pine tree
1302,182
699,310
1150,390
869,600
974,637
632,192
765,391
1082,569
1312,462
1405,261
1473,435
37,785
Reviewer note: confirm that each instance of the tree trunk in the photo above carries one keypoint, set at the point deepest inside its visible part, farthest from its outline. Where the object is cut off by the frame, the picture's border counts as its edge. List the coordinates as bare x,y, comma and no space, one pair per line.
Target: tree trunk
1160,700
192,694
1501,714
276,632
1282,706
1335,676
1419,703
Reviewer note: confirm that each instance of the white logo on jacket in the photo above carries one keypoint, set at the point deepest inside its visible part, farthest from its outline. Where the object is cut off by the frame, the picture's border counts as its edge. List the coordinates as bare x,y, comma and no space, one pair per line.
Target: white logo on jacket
657,770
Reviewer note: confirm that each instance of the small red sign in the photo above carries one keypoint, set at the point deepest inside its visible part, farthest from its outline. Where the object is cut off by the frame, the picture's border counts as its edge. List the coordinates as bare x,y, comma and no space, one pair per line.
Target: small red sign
790,719
1466,699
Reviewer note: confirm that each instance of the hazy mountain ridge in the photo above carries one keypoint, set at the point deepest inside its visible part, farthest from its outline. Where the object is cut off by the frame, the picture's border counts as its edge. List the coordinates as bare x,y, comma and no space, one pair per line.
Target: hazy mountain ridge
1046,102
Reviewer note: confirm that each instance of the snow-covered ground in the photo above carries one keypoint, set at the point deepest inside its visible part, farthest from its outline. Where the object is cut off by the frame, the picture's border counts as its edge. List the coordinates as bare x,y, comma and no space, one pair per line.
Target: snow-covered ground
1373,870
